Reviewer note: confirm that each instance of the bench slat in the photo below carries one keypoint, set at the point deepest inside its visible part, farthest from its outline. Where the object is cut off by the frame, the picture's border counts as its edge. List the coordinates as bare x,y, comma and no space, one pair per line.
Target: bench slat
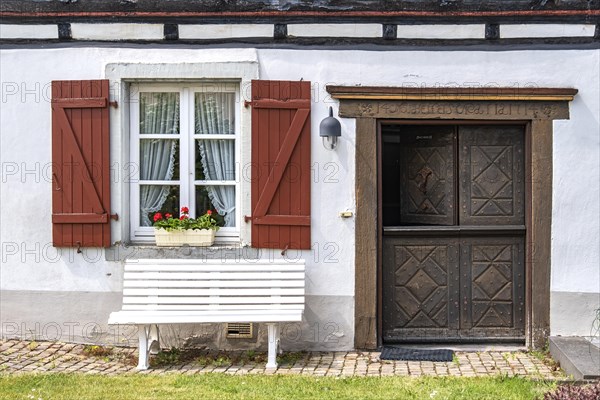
183,317
232,261
211,284
212,267
200,307
212,300
230,275
214,292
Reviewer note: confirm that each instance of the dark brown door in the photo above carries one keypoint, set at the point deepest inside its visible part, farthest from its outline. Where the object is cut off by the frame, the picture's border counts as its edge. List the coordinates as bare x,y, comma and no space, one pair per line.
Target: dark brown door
453,234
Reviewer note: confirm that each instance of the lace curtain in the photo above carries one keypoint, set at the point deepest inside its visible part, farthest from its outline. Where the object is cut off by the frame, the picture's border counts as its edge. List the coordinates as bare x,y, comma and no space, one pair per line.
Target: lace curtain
215,114
159,114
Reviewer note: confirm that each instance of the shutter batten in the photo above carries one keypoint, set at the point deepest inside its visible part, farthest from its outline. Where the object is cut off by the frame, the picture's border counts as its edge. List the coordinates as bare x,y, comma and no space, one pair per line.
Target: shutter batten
80,164
281,164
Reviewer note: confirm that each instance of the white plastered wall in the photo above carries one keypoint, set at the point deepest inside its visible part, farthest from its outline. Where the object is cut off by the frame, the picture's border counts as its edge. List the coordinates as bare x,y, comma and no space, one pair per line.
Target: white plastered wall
31,264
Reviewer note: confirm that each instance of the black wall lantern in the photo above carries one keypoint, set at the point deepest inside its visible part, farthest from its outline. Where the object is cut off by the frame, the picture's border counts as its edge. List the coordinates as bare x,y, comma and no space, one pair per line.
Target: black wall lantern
330,129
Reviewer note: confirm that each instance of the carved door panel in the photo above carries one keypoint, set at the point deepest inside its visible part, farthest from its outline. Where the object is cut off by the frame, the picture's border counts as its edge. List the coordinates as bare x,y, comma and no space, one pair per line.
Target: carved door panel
455,272
492,187
493,286
427,176
421,287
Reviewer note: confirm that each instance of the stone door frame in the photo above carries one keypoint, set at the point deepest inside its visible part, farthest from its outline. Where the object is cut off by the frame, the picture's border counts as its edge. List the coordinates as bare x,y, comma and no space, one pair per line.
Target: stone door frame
534,107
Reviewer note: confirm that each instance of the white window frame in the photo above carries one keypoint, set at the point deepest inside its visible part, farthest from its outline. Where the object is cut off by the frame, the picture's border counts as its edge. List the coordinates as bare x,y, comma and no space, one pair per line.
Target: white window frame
187,142
237,65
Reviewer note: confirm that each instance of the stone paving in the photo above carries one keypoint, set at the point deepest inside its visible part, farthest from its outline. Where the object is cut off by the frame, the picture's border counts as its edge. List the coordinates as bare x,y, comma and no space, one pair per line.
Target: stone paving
18,356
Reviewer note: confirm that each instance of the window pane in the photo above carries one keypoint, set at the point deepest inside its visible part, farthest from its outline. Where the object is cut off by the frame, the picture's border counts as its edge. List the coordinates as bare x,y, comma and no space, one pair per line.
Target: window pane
159,159
159,113
157,198
215,113
220,199
215,160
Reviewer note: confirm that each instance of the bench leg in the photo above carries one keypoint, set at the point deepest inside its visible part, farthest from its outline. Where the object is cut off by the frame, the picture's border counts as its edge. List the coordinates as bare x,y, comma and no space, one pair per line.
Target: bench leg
153,340
143,333
273,329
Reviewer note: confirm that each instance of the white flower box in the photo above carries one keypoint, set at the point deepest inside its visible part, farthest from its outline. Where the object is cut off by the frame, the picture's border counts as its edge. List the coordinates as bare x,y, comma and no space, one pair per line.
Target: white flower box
191,237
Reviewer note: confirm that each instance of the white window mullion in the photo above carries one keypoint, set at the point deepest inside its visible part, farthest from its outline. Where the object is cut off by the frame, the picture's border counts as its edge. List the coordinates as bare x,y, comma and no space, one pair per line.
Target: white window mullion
158,136
164,183
184,146
215,183
215,136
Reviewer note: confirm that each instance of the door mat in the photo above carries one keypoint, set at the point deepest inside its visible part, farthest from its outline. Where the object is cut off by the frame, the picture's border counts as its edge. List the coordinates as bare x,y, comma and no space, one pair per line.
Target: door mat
404,354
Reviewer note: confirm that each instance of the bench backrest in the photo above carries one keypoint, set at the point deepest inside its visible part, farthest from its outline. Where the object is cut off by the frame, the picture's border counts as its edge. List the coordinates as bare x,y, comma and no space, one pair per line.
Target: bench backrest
174,284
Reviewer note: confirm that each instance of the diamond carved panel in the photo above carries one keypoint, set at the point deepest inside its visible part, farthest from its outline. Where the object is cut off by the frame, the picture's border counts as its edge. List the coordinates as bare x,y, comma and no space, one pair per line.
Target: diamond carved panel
491,181
494,275
421,289
491,175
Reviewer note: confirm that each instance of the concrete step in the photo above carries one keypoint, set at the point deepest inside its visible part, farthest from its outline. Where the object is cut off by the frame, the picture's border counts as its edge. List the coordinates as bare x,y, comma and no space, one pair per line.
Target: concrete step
577,356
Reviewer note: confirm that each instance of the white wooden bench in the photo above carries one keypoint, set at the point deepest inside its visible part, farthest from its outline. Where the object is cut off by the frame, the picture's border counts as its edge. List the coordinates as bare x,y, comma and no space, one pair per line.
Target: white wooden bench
183,291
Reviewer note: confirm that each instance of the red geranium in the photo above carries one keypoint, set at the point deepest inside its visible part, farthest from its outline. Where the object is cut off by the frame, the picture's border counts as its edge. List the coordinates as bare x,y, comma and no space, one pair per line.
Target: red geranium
184,222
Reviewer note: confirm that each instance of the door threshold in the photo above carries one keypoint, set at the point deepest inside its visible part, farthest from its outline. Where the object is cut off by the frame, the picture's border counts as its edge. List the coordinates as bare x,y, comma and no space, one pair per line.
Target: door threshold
465,347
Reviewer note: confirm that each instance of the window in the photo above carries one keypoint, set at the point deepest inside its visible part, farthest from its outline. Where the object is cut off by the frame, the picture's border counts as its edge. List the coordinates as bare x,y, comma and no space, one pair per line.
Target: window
185,149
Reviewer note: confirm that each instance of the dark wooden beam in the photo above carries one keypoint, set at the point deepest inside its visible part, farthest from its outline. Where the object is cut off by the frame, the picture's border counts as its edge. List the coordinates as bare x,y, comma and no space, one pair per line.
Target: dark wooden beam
492,31
171,31
298,11
280,31
64,31
325,6
390,31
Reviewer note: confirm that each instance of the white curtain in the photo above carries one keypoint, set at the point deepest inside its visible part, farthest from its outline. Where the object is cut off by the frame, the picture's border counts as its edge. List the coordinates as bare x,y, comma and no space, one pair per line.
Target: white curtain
215,114
159,114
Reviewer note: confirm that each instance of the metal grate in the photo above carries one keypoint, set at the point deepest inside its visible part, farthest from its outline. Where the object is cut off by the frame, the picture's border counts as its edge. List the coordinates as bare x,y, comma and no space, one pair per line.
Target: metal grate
239,330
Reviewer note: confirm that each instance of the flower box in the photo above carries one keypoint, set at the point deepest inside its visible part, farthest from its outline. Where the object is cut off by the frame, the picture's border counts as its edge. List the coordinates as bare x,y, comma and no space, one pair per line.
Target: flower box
191,237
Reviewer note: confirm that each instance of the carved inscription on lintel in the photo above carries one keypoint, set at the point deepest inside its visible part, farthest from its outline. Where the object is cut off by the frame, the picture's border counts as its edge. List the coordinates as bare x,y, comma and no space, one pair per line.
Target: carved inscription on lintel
456,109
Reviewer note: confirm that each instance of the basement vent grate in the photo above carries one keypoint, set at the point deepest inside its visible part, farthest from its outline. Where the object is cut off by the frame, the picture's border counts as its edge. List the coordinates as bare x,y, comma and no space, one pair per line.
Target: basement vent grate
239,330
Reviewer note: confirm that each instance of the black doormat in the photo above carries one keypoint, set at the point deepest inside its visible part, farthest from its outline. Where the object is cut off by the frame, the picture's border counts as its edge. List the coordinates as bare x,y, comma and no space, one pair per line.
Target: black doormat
404,354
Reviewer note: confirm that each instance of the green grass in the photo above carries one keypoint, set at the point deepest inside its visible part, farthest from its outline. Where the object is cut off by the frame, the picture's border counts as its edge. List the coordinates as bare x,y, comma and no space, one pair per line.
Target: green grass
222,386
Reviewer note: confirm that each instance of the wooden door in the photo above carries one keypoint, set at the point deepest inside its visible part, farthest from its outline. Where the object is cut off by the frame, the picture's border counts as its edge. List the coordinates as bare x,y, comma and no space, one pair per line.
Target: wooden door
454,269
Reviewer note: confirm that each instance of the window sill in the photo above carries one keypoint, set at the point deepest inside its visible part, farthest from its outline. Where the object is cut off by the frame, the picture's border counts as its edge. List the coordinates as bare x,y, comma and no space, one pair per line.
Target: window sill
224,251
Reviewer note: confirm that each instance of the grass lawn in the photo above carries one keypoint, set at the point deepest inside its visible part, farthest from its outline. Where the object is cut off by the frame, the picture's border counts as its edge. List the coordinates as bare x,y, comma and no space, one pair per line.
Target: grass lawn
220,386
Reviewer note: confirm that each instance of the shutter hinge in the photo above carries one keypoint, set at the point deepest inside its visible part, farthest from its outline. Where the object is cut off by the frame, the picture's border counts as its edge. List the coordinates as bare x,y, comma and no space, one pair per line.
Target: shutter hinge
247,103
114,216
113,104
247,218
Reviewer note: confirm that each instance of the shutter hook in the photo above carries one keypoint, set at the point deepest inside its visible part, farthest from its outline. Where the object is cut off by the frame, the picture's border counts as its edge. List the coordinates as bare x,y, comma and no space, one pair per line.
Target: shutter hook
57,187
78,243
287,246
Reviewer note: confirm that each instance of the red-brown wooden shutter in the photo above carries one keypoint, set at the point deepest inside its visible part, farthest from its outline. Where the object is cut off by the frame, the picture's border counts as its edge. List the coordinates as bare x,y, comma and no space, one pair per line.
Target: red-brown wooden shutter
80,164
280,165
